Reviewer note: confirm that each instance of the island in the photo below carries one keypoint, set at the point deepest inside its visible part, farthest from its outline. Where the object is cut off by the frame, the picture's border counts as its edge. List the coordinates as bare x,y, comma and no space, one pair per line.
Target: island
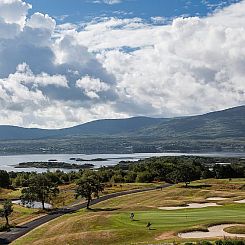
62,165
88,160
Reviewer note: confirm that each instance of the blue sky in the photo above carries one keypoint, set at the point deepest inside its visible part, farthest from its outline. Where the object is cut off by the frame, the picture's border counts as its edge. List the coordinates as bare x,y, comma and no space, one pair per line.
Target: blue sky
85,10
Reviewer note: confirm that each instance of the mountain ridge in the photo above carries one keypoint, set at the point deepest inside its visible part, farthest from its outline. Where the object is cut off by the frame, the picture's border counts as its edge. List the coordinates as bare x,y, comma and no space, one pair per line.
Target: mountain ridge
225,123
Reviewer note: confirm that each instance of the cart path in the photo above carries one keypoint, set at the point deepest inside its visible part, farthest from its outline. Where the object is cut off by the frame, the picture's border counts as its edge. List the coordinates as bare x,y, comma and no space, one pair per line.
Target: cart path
15,233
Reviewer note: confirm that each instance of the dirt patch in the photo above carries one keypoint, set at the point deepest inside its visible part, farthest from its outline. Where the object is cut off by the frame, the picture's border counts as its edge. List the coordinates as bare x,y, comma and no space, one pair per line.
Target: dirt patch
166,235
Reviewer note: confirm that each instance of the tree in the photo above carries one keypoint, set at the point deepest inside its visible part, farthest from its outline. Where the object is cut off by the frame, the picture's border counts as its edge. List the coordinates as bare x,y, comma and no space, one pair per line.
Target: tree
144,177
4,179
89,186
6,211
39,189
185,173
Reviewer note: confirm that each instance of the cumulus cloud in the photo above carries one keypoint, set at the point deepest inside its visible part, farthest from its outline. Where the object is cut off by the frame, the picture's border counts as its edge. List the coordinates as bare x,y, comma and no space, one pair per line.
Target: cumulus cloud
14,11
61,75
92,86
110,2
41,21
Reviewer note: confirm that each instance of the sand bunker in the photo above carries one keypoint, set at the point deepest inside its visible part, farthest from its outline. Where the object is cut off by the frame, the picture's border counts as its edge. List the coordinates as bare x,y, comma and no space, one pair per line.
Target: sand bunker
214,231
240,201
216,198
191,205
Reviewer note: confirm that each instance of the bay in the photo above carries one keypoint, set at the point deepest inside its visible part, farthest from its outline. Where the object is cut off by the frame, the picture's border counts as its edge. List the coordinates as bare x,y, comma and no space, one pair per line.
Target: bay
9,162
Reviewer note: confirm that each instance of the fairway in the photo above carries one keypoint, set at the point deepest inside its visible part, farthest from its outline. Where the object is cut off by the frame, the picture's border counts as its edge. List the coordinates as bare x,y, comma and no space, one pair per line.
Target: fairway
109,222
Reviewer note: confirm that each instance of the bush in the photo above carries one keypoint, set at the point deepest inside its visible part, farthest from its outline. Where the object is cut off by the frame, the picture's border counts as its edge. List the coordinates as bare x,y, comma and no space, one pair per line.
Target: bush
4,179
230,242
4,228
204,243
239,242
219,242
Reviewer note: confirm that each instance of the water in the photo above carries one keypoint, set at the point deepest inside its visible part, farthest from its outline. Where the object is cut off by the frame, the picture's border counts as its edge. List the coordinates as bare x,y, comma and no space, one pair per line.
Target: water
9,162
37,205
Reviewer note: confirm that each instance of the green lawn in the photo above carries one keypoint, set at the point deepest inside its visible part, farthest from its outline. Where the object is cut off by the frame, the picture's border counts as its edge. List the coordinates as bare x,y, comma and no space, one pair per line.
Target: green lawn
115,227
109,222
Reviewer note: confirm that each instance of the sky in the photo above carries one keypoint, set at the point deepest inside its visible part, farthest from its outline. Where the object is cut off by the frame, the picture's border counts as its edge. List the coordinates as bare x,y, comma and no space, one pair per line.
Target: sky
63,62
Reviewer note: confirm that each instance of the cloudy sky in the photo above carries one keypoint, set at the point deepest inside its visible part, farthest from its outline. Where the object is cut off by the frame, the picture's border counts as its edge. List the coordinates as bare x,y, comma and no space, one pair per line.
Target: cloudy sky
66,62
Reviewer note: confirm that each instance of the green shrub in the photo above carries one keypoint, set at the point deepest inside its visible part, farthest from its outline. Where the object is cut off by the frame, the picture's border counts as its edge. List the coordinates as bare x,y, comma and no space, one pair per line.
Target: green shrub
238,242
219,242
204,243
230,242
3,228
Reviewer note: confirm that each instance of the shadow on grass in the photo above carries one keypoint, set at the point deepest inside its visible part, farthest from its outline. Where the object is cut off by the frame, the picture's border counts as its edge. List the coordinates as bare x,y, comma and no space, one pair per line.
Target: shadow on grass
20,227
196,186
103,209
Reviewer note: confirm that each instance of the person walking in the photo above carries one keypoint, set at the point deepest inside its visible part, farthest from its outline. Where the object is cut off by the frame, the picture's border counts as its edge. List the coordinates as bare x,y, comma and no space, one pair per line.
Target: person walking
132,216
148,225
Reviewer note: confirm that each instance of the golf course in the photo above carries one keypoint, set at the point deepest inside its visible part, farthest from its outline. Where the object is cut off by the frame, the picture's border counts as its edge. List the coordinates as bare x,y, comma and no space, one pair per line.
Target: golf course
109,222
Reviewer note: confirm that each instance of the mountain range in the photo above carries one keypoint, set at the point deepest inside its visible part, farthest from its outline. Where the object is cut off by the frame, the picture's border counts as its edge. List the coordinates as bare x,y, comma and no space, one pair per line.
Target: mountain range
228,123
222,131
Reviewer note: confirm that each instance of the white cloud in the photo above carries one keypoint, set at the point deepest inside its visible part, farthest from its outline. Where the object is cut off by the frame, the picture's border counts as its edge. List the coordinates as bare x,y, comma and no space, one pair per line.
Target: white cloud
14,11
56,76
110,2
41,21
158,20
24,75
92,86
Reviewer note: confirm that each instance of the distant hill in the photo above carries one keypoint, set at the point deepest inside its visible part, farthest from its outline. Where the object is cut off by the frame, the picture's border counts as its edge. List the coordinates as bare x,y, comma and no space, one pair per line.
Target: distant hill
94,128
221,124
19,133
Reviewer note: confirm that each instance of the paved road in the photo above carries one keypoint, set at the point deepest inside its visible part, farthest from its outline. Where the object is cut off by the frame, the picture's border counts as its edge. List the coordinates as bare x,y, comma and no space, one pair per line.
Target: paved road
8,237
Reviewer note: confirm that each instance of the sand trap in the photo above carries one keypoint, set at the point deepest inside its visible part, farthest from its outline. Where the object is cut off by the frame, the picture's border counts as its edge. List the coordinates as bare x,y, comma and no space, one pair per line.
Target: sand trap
214,231
216,198
240,201
191,205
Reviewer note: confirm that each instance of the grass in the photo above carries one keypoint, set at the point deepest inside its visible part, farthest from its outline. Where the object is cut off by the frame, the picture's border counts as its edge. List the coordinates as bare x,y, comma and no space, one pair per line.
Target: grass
9,193
67,192
121,230
109,223
236,230
66,197
21,215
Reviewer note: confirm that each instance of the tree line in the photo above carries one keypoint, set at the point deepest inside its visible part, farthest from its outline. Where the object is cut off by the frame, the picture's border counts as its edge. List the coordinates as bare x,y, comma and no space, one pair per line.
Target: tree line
169,169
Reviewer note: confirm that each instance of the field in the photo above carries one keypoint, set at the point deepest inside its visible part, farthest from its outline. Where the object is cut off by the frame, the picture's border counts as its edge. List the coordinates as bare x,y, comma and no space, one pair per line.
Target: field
67,192
109,222
22,215
66,197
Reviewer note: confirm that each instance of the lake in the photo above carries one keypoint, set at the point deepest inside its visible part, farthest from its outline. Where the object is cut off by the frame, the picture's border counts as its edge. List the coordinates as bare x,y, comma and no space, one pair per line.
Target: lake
9,162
